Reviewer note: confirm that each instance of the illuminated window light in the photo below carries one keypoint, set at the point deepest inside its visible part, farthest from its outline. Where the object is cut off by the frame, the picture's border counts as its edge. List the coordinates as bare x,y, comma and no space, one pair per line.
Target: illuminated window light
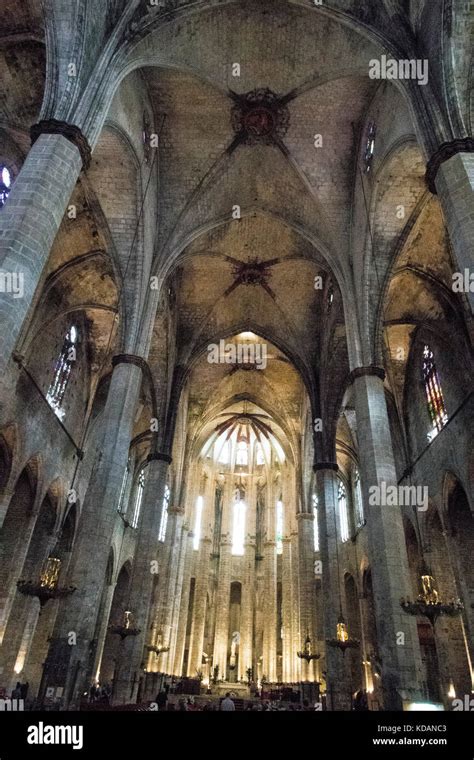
343,516
164,515
238,529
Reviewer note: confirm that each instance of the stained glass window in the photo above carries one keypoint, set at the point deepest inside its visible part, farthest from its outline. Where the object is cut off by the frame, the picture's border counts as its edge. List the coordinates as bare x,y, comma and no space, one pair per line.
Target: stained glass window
315,523
5,184
343,517
62,373
370,146
279,527
358,503
434,394
138,498
238,527
164,514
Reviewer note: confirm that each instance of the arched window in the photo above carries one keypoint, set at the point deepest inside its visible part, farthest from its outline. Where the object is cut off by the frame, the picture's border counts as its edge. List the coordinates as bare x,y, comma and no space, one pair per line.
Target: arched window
370,147
5,184
315,523
138,498
279,527
358,503
242,453
62,372
164,514
197,522
343,517
238,527
260,456
434,394
123,489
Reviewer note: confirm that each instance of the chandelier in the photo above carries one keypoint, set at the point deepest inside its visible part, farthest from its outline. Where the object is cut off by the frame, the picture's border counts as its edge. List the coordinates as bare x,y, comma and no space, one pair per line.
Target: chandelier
125,629
428,603
306,653
47,587
158,648
342,640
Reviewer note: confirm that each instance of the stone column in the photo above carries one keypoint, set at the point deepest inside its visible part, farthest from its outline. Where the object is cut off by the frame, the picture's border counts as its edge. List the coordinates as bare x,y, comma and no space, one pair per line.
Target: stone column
184,545
450,175
30,220
338,686
307,589
5,500
295,608
270,591
286,581
103,630
397,632
200,607
248,586
270,611
222,603
184,608
202,579
164,625
71,666
143,573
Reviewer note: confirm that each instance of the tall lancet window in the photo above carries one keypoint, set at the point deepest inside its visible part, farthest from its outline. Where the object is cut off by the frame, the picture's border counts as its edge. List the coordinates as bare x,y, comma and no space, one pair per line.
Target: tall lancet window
164,514
343,516
62,372
5,184
315,523
370,147
138,498
238,526
279,527
434,394
358,503
123,490
197,522
242,456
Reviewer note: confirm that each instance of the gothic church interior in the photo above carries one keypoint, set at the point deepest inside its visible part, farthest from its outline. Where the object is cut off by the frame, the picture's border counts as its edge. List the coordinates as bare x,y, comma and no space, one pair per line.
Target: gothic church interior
236,295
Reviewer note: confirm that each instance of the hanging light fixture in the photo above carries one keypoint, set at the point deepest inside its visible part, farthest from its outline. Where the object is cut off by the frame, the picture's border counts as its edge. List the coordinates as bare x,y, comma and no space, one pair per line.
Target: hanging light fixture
47,587
428,604
342,640
125,629
306,653
158,648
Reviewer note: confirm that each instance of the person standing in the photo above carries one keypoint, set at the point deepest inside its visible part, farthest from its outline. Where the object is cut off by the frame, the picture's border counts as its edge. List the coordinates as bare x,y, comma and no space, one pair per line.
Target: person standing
227,704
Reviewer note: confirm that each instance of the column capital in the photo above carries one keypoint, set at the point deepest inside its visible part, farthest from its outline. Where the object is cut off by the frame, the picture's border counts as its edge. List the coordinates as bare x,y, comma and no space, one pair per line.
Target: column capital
159,456
70,131
305,516
318,466
138,361
178,510
446,151
370,371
